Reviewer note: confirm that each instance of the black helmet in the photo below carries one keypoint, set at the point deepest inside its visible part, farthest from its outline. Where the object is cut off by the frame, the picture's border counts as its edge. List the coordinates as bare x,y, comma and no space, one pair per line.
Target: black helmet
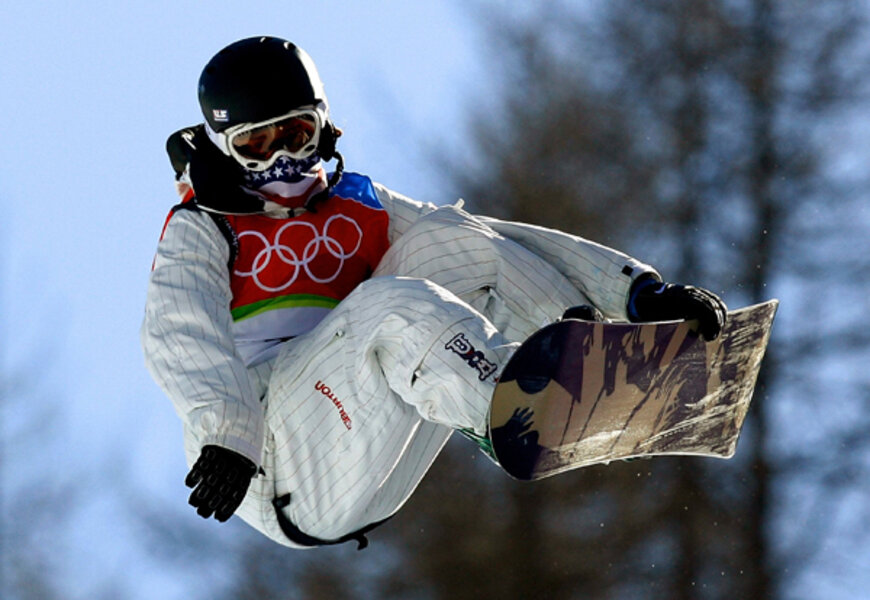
257,80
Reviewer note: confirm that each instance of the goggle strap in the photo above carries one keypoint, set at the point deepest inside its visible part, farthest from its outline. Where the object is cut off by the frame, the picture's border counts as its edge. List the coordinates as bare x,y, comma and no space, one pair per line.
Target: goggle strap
326,143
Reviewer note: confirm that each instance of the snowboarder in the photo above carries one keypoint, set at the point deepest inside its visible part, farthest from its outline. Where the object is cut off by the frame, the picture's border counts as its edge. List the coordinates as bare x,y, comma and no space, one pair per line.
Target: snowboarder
322,336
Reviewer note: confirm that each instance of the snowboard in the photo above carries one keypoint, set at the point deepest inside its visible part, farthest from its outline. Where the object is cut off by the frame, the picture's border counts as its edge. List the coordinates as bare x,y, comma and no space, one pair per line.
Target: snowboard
579,393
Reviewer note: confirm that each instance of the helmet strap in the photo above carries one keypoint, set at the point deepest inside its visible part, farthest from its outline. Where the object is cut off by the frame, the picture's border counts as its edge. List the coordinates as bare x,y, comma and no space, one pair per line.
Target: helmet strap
323,195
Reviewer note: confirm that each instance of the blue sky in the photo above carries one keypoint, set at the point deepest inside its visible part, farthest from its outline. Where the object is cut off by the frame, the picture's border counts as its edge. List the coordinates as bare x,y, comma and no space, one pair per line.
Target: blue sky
90,93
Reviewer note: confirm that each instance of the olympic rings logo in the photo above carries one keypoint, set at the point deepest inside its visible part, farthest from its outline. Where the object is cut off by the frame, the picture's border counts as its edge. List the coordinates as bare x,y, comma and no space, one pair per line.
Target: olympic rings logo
313,249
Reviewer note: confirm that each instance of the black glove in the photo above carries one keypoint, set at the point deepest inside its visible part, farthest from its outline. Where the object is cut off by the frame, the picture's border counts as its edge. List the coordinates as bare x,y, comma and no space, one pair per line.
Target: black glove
218,180
220,479
652,300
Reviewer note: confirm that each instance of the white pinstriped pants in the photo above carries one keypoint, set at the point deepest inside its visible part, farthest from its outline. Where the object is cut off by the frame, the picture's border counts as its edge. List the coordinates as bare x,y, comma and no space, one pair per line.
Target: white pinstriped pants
359,408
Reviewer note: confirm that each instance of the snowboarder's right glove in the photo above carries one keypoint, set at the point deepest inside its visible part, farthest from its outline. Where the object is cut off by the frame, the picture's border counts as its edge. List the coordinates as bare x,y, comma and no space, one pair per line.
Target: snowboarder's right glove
220,479
653,300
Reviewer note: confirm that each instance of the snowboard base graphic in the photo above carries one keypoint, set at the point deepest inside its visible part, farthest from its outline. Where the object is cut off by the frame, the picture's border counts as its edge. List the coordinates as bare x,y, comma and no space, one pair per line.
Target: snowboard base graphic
579,393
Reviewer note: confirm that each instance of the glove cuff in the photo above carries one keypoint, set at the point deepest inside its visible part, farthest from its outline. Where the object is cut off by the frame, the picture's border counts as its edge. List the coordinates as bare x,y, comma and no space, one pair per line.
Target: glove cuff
641,283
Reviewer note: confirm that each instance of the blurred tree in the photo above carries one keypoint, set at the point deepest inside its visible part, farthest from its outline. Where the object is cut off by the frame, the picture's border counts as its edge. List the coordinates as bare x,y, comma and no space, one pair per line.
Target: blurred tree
689,128
29,569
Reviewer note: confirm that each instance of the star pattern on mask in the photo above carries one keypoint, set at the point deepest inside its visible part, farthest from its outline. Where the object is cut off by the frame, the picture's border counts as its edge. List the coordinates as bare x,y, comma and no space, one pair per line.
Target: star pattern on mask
285,169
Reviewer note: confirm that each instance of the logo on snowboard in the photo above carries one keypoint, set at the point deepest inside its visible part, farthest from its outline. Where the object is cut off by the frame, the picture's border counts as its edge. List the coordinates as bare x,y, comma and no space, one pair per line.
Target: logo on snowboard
475,358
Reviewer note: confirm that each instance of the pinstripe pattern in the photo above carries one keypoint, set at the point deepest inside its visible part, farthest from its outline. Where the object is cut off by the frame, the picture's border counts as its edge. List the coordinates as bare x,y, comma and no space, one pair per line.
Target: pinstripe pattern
596,270
515,289
382,355
188,343
403,211
349,417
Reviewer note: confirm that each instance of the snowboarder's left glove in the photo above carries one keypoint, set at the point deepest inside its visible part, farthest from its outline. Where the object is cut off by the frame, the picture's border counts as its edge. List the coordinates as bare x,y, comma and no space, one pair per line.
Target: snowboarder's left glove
653,300
217,179
220,479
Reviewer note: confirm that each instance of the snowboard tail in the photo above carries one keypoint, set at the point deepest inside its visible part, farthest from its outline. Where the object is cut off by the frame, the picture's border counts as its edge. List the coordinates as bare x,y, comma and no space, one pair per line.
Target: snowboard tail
579,393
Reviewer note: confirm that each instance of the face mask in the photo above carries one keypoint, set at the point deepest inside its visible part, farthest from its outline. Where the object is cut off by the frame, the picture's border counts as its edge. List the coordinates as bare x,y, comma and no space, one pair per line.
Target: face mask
289,181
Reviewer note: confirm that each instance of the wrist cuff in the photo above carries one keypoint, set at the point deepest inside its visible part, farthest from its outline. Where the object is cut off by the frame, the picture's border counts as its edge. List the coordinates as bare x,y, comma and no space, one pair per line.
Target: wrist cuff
639,285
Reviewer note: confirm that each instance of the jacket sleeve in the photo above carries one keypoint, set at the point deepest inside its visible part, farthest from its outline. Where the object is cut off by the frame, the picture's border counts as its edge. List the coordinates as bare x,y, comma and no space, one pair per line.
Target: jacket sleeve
403,211
188,343
603,274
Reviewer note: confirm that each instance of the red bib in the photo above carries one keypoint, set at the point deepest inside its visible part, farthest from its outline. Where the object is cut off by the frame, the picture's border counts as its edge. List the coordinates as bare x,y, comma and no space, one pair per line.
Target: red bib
315,259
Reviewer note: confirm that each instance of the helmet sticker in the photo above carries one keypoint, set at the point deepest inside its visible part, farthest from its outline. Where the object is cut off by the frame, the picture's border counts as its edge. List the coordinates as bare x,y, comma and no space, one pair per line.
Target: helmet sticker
221,115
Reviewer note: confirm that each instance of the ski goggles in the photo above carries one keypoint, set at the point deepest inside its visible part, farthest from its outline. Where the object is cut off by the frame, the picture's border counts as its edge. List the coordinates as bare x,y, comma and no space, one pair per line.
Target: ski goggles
257,146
